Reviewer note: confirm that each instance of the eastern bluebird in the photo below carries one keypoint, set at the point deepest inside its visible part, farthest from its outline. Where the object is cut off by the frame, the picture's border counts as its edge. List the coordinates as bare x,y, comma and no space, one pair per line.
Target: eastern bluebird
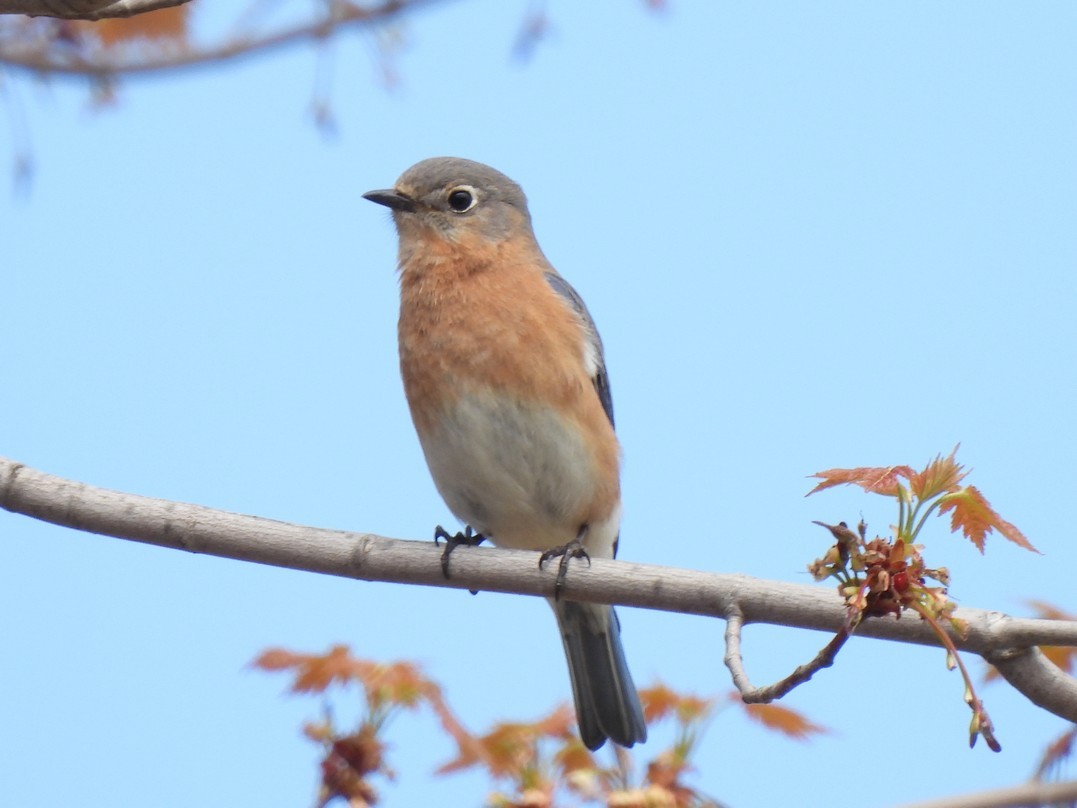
505,377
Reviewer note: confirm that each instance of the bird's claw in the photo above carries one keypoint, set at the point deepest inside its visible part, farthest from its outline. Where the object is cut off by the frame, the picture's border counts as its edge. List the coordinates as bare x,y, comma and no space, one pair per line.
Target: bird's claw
574,549
467,537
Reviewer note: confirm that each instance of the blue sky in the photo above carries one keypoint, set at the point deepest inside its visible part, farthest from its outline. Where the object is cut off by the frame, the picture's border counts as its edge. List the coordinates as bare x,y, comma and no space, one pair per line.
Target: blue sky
812,235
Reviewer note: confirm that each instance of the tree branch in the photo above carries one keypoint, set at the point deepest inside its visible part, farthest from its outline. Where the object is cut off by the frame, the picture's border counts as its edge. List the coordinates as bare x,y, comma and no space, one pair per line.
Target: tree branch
84,9
1005,641
1026,794
39,57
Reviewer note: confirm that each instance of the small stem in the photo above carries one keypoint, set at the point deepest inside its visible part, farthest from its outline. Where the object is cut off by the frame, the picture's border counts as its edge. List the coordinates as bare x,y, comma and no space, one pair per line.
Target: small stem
927,513
901,508
984,726
910,519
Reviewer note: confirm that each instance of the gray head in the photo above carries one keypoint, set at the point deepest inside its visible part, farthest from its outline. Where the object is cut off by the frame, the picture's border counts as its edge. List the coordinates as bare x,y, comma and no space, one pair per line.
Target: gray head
453,198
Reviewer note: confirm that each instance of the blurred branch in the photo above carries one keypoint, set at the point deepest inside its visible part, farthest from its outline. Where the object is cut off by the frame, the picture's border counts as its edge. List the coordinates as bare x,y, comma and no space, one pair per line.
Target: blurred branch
39,56
1028,794
84,9
1004,641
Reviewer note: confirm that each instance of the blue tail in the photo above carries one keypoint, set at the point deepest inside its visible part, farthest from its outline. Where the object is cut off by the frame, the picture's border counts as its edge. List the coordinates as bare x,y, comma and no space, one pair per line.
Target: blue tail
607,705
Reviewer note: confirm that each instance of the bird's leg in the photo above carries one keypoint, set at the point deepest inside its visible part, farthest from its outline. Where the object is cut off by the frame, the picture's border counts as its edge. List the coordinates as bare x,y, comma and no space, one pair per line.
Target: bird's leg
574,549
467,537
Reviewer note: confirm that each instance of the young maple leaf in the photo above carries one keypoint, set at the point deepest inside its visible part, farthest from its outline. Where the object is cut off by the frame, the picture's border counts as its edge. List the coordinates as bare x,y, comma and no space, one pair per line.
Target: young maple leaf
941,475
400,684
313,673
574,757
661,701
510,748
658,701
976,518
788,722
277,659
396,683
875,480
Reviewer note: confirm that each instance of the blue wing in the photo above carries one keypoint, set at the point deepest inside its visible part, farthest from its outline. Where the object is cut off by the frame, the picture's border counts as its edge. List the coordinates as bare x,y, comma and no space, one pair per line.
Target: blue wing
600,378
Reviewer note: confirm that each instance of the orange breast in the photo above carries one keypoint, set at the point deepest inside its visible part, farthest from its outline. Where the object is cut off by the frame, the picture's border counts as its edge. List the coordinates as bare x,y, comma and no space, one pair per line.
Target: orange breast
471,327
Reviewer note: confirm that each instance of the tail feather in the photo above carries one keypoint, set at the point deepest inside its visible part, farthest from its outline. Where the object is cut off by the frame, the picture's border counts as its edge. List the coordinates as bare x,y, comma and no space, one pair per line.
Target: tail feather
607,705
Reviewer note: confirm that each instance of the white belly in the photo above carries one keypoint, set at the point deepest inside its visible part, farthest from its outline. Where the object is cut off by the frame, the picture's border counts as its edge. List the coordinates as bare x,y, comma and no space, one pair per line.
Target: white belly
520,476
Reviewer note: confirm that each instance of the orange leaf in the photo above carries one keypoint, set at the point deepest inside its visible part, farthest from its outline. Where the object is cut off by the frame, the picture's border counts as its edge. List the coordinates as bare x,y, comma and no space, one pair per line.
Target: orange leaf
1048,611
277,659
976,518
322,732
784,720
558,724
575,757
875,480
658,702
1063,656
397,683
465,741
465,759
941,475
164,23
510,749
316,673
693,708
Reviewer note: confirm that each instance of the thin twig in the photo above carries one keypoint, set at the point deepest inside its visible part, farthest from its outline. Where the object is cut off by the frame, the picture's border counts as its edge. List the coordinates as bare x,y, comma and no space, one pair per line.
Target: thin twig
751,694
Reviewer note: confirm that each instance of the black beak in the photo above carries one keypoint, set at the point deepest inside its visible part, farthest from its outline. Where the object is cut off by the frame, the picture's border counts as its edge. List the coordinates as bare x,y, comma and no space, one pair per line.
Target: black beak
391,199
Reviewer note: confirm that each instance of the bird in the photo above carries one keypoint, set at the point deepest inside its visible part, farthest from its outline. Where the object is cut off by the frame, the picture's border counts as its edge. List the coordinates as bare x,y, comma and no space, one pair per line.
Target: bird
505,378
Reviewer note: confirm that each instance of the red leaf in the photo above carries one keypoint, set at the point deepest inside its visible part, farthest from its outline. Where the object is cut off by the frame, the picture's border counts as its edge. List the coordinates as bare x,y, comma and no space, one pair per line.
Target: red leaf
976,518
876,480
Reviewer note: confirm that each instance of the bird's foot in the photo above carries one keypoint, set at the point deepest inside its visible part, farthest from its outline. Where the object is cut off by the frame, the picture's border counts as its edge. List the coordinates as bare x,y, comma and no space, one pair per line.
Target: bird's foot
467,537
574,549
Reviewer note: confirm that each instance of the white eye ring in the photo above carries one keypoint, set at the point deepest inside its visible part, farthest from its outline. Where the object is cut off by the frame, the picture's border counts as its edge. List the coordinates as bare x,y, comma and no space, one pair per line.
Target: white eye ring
462,198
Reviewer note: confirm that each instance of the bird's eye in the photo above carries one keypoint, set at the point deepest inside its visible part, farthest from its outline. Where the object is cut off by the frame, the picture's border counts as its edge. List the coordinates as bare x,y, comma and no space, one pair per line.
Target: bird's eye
462,199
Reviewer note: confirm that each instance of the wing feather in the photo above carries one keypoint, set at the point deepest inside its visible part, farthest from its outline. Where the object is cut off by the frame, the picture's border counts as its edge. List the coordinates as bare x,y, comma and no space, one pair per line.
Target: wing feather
596,361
